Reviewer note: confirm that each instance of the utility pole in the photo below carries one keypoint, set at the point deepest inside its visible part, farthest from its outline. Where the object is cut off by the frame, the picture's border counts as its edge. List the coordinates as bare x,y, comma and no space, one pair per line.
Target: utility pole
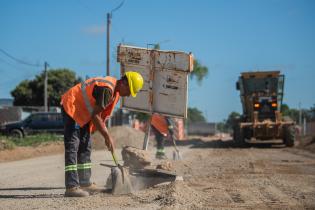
109,22
304,126
300,114
45,86
109,17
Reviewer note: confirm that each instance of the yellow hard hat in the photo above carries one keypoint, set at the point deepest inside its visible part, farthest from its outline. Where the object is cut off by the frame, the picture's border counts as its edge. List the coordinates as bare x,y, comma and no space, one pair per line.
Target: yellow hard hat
135,82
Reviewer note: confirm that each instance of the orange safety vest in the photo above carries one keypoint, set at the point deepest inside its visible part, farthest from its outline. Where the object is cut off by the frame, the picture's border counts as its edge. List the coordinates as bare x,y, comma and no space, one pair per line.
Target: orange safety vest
78,102
159,122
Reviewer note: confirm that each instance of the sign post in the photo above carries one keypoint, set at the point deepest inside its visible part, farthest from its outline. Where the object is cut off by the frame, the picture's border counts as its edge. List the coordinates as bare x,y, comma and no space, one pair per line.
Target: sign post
165,74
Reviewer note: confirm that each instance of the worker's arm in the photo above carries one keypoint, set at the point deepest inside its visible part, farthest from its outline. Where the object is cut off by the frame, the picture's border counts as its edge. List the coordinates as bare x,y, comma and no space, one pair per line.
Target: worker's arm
102,96
101,127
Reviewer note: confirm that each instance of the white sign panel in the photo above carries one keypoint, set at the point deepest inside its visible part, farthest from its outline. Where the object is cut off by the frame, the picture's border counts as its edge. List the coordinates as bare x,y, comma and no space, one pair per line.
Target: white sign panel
165,76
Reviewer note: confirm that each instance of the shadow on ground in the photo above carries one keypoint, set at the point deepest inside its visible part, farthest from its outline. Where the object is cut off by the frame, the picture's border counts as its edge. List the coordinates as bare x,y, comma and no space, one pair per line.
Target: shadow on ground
31,188
42,195
32,196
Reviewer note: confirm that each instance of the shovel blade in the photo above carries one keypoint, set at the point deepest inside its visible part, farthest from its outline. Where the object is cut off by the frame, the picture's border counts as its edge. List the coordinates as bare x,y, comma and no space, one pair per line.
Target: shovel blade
121,184
177,155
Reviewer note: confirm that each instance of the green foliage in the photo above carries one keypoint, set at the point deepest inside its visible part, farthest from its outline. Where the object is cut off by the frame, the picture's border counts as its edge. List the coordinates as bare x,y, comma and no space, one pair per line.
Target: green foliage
284,109
227,125
157,47
142,117
195,115
308,114
312,112
232,119
31,92
293,114
200,72
6,144
35,140
221,126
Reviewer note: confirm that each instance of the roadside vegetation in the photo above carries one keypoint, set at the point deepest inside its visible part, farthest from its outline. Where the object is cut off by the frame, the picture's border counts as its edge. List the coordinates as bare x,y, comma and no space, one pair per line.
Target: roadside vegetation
34,140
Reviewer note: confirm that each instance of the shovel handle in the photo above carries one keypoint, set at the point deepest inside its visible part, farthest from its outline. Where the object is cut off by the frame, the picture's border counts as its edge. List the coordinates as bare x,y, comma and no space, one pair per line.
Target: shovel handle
174,143
114,158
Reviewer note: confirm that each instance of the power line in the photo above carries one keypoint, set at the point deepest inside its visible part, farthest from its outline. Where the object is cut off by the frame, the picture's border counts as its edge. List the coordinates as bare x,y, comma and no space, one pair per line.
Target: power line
29,73
18,60
117,8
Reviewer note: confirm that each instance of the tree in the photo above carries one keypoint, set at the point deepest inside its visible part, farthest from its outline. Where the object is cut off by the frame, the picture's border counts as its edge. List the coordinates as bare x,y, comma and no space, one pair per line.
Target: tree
221,126
195,115
31,92
285,109
308,114
200,71
312,112
232,118
142,117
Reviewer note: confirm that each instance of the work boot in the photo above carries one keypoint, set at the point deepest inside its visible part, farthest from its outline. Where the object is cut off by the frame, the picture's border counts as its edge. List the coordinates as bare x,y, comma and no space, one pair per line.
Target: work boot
92,188
76,192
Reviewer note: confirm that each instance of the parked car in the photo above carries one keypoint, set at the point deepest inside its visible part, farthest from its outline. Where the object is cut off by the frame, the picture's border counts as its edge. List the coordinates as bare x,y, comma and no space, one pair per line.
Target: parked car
45,122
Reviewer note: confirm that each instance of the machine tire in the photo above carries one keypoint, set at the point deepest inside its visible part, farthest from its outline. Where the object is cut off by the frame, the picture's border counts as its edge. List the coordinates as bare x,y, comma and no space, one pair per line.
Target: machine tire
289,135
16,133
238,136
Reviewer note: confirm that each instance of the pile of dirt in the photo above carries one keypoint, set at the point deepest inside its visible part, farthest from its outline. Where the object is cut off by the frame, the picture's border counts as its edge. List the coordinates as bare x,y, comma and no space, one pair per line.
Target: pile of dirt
307,143
176,195
135,158
122,135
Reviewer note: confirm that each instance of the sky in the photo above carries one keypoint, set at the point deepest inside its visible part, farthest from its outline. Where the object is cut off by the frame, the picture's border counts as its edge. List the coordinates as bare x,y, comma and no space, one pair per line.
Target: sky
227,36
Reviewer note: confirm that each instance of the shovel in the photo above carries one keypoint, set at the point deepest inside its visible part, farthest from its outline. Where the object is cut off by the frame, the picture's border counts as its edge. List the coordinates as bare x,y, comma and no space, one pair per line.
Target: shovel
119,166
119,178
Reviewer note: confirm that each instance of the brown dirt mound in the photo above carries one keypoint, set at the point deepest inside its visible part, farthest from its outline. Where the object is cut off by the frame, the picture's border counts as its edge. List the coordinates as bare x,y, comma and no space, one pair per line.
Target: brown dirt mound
122,135
176,195
20,153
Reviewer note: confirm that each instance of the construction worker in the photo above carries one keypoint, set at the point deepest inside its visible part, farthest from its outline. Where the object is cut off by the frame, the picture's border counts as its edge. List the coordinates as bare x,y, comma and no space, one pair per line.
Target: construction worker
86,107
162,127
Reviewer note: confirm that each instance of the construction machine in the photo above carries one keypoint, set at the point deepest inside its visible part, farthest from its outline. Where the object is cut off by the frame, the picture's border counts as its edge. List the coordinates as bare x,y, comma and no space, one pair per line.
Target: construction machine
261,94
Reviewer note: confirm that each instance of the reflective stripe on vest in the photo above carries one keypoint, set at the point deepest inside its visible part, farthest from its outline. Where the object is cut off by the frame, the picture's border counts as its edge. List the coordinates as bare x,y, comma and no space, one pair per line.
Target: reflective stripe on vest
84,93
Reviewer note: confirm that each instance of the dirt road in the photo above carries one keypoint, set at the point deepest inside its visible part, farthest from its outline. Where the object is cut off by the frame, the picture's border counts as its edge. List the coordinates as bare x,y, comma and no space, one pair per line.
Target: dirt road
216,176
